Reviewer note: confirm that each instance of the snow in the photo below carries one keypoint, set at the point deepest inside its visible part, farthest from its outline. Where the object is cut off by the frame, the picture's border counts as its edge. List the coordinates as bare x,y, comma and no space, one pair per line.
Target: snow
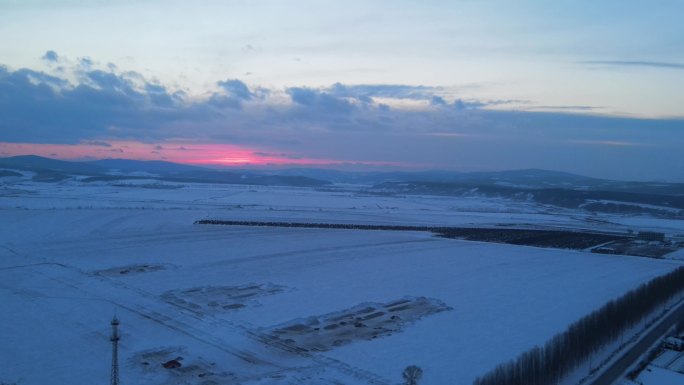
678,364
665,358
61,281
672,210
654,375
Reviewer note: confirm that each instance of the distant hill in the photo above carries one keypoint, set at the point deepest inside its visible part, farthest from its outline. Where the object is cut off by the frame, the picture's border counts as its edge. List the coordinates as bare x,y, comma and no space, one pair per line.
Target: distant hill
528,177
667,202
52,170
38,163
542,186
150,166
547,187
521,179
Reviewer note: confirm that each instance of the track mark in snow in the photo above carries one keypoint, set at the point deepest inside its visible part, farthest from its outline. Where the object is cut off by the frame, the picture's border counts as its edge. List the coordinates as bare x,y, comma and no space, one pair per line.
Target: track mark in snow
318,250
215,299
132,269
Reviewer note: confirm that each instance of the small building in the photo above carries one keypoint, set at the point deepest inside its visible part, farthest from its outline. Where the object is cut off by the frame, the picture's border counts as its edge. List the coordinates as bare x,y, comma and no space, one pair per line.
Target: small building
674,343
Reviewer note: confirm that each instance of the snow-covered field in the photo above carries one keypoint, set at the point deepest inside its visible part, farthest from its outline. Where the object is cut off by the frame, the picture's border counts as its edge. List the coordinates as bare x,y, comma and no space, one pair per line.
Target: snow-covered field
74,255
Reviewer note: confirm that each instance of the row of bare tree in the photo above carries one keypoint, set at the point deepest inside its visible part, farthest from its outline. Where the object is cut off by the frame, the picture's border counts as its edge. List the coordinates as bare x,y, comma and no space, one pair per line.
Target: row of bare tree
566,351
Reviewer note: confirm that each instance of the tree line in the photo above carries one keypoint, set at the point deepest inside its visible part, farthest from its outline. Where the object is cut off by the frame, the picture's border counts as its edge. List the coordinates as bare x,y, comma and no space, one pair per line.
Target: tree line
317,225
532,237
567,350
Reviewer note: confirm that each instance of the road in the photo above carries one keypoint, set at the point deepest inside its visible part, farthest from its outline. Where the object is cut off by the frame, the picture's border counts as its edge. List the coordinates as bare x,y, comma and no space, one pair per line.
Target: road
619,367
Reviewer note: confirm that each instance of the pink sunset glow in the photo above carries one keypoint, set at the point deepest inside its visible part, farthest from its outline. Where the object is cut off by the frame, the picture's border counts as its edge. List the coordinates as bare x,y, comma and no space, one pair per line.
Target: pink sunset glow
228,155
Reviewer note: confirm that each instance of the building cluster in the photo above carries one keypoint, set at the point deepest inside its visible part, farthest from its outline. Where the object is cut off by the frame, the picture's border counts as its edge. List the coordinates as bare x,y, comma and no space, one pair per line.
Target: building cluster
668,367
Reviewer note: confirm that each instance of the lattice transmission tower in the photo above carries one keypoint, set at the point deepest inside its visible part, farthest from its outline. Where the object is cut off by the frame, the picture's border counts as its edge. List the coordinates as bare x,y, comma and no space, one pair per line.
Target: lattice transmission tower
115,351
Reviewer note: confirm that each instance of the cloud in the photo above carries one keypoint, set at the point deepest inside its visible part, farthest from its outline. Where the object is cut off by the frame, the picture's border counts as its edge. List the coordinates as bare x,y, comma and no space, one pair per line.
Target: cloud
634,63
111,82
395,91
234,93
319,100
446,134
236,89
50,56
86,63
281,155
343,98
572,108
613,143
96,143
103,105
472,104
37,106
460,105
438,101
109,103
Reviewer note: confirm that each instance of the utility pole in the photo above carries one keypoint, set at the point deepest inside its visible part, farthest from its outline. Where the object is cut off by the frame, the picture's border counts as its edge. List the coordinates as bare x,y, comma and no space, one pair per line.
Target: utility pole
115,351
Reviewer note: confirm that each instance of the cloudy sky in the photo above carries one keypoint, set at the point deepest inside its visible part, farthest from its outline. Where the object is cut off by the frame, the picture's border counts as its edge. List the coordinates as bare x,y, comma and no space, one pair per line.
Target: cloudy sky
595,88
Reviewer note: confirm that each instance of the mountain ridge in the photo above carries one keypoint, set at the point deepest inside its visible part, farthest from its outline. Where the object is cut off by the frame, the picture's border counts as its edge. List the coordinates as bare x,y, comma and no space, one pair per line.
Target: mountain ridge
522,179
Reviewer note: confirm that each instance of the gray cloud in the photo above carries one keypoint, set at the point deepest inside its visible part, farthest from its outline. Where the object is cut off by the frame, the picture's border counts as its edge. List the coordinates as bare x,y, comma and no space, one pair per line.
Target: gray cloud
236,88
634,63
395,91
461,105
235,92
86,63
319,100
263,154
338,122
38,107
438,101
96,143
50,56
568,108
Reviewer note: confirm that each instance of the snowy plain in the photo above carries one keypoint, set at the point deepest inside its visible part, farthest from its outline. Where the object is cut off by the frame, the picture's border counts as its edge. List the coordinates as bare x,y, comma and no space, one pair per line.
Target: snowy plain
74,254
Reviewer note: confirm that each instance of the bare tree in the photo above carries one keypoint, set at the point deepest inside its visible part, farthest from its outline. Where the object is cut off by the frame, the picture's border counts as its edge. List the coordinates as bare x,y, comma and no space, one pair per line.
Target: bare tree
412,374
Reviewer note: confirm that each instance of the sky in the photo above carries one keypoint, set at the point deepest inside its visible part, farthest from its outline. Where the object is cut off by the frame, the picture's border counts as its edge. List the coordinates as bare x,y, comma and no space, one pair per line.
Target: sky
593,88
